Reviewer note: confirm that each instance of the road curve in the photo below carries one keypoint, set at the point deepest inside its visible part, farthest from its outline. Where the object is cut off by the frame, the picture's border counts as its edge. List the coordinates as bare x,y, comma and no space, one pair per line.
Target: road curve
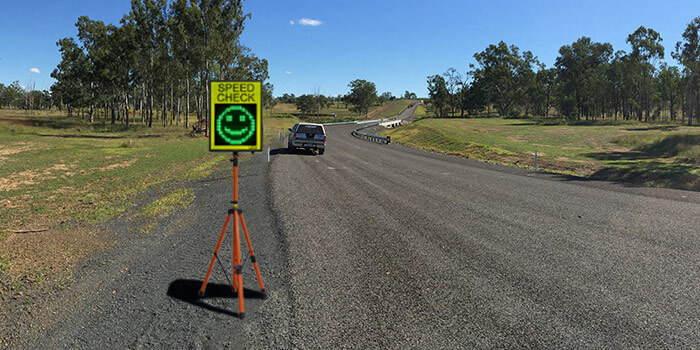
393,247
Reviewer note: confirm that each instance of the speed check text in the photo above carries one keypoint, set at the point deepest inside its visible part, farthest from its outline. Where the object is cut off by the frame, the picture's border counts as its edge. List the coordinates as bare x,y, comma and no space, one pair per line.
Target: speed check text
236,93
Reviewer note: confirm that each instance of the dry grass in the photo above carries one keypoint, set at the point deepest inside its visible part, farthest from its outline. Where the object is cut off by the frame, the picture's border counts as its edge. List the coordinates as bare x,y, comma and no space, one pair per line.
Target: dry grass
65,174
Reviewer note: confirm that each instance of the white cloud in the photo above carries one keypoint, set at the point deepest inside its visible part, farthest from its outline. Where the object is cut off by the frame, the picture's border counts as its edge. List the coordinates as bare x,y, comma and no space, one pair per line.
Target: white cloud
310,22
34,70
287,72
291,22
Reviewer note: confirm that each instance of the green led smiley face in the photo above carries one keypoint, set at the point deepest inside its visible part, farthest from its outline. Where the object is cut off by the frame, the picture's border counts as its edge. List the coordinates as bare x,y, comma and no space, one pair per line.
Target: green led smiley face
235,125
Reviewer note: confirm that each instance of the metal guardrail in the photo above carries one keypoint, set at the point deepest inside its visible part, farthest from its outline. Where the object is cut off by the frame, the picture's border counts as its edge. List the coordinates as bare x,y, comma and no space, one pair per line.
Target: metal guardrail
340,123
369,137
390,122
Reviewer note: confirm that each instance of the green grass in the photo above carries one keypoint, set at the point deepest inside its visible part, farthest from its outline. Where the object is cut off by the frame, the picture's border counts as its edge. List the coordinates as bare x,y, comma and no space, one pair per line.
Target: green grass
58,169
162,207
685,147
174,200
420,111
666,156
5,263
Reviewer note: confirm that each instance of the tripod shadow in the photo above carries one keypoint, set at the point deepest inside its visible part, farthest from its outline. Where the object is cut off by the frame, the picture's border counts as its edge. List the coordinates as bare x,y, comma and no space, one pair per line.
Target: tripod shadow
186,290
285,150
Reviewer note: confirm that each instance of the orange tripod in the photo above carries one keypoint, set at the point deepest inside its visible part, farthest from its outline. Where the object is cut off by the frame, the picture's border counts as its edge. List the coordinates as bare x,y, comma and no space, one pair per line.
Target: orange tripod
237,266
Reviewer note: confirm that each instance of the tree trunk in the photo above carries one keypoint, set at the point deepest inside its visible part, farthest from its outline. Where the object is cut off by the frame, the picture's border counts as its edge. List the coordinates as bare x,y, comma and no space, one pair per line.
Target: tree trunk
690,105
150,108
126,109
187,106
172,104
92,94
672,110
164,107
205,97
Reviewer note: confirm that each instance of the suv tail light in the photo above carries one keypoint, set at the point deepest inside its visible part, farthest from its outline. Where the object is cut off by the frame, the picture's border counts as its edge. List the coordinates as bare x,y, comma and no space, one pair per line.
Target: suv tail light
324,139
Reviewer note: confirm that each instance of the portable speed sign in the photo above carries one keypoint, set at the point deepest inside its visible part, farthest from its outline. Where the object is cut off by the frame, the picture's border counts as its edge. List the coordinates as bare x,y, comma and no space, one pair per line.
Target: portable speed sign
235,116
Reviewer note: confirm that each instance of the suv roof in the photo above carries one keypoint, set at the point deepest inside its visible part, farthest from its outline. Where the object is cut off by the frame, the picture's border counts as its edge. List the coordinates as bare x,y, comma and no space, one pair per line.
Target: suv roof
315,124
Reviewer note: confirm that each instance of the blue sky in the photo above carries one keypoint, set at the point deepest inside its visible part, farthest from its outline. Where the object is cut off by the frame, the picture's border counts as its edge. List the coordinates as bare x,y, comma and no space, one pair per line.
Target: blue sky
395,44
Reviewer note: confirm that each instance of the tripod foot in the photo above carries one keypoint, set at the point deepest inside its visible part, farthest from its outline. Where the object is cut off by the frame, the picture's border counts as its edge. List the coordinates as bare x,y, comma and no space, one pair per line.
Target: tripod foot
241,315
200,294
264,294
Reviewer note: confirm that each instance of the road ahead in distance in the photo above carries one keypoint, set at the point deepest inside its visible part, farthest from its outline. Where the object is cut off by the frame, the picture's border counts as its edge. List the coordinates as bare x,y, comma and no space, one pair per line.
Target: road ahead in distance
394,247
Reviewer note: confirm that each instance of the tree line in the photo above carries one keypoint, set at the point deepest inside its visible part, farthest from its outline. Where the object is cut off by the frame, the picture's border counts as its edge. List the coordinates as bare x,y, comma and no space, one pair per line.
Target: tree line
157,62
589,80
15,96
363,94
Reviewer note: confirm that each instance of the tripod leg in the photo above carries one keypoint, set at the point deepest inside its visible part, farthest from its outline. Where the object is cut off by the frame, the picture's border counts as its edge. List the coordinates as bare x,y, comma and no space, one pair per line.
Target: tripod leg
213,258
238,274
252,254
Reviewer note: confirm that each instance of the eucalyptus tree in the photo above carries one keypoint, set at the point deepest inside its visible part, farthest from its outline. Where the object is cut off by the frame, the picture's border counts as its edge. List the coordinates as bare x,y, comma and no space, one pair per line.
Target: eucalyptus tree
579,72
363,94
161,55
668,85
687,53
543,90
619,88
305,103
473,98
453,82
267,91
71,74
439,97
505,74
646,50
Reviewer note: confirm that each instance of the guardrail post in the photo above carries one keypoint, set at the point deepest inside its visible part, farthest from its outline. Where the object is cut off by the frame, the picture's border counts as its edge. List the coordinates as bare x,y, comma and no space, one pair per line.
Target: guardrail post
535,160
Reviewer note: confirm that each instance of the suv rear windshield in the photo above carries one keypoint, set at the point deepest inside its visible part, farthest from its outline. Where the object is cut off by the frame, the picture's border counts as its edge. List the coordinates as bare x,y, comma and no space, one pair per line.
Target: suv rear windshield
311,129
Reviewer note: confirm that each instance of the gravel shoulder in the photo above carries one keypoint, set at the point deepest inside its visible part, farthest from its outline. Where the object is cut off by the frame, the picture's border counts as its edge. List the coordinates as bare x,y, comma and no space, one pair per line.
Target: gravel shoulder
141,293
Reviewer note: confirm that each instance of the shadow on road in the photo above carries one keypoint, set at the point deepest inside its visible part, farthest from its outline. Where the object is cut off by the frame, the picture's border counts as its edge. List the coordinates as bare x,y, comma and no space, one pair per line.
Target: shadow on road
186,290
288,151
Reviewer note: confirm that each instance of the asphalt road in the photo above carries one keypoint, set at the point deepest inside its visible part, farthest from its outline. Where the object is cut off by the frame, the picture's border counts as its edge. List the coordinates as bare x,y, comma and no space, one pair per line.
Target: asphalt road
391,247
384,246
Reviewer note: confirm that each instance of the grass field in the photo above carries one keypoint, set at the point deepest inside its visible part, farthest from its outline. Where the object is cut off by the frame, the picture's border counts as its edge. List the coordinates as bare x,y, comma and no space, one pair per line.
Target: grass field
655,155
388,109
63,173
420,111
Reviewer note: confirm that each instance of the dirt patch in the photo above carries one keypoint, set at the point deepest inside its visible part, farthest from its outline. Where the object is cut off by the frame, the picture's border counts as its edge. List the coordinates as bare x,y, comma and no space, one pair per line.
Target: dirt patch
49,251
31,177
516,138
559,147
515,160
562,131
125,164
4,152
559,164
566,159
14,202
14,181
35,265
618,149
